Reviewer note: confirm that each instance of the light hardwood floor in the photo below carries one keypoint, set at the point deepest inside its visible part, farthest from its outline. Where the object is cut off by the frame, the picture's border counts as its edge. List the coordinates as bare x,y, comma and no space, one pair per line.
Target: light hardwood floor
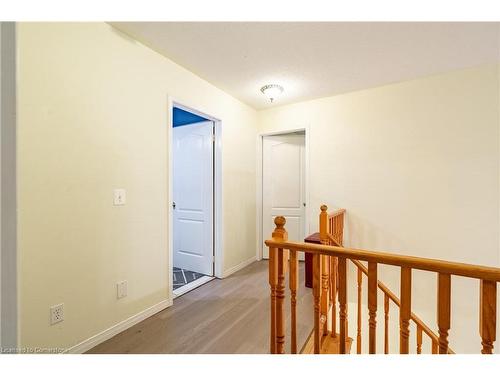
223,316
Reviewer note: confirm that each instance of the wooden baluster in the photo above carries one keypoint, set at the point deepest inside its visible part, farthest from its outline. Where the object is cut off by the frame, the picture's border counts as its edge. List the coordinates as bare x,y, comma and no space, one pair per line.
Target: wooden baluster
323,235
372,306
280,304
333,293
419,340
386,324
294,275
435,347
317,301
325,302
330,268
277,282
343,304
443,310
358,337
487,315
336,227
341,229
405,311
273,282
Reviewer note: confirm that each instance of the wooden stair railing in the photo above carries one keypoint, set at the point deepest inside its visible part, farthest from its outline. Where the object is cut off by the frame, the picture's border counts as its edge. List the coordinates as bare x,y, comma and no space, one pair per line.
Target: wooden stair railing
335,237
330,261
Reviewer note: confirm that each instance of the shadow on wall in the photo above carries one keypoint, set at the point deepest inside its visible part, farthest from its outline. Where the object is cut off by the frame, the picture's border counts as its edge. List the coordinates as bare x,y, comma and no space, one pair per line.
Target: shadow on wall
362,234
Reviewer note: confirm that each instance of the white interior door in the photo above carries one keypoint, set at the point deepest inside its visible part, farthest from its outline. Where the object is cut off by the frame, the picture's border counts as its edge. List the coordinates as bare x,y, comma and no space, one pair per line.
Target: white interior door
283,185
193,197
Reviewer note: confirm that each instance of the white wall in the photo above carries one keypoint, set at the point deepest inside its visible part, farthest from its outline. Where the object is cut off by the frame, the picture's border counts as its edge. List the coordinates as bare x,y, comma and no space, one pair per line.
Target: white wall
93,117
416,165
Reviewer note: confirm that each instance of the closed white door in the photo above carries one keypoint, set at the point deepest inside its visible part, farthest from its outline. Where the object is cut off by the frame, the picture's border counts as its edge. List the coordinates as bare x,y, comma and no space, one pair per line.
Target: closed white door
193,197
283,185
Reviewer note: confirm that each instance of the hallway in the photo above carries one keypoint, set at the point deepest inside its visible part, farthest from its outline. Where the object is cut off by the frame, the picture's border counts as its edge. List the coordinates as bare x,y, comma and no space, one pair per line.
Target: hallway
223,316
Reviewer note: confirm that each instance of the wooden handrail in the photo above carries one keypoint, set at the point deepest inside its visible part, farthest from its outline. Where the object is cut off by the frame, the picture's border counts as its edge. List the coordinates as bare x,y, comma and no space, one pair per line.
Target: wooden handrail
337,212
424,264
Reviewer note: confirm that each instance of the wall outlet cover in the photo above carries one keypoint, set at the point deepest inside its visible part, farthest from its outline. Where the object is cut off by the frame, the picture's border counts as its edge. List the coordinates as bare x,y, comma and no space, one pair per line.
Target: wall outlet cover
56,313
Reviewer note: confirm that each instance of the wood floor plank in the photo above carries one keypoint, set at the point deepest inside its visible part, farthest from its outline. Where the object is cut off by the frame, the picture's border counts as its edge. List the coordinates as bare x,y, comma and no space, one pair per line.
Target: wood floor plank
329,345
223,316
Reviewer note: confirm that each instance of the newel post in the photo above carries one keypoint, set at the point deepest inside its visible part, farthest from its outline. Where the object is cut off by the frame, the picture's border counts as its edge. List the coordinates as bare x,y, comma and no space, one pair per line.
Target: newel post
323,224
277,284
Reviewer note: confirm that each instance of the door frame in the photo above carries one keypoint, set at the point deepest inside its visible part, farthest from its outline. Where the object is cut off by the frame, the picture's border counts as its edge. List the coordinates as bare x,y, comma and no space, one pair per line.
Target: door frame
9,300
260,182
217,194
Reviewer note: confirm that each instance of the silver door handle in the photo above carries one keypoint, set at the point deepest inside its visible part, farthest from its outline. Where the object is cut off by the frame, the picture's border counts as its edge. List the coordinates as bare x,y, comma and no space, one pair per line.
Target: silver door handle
173,205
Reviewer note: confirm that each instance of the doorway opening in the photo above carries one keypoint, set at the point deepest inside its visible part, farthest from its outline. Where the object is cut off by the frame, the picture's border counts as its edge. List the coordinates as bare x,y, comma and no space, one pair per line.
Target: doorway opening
193,204
283,185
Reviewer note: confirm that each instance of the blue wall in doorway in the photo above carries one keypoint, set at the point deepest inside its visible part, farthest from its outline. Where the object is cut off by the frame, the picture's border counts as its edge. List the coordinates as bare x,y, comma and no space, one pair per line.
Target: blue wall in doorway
182,117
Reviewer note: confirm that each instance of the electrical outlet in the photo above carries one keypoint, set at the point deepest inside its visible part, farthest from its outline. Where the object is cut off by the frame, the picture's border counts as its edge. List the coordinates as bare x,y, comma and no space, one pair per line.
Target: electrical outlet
56,313
121,289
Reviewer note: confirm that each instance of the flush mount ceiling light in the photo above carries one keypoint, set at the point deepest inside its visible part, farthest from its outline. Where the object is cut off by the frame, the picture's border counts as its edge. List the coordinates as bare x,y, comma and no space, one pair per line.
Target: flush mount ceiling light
272,91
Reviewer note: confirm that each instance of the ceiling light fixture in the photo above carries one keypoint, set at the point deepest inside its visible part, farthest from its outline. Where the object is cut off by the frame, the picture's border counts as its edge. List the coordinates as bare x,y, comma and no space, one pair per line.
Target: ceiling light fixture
272,91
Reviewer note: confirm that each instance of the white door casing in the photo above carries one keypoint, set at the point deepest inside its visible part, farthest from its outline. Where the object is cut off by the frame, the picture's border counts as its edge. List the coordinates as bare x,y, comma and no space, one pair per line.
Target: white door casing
8,266
283,185
193,197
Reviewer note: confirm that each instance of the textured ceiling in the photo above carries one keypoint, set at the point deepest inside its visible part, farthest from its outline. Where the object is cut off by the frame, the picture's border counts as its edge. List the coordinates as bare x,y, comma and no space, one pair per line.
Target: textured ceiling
316,59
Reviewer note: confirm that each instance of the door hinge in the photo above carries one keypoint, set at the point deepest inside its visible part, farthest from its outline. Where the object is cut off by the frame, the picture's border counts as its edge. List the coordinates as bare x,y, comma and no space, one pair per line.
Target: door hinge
213,259
213,138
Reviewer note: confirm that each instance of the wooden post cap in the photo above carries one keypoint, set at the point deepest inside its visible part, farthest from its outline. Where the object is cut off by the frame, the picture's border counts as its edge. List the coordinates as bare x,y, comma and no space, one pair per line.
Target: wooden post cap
324,207
280,221
280,231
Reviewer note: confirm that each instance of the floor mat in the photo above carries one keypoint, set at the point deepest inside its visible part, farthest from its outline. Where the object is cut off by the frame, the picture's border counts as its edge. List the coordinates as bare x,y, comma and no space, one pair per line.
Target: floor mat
183,277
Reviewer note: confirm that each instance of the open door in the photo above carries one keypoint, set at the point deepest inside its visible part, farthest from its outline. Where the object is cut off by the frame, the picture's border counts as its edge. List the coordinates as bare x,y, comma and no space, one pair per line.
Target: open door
193,172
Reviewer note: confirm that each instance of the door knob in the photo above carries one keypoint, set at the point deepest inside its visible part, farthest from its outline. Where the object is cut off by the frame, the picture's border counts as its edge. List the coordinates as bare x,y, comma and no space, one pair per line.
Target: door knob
173,205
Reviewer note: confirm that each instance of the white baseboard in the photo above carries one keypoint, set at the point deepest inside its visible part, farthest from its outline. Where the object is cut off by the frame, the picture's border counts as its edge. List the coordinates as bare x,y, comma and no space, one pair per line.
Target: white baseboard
238,267
192,285
117,328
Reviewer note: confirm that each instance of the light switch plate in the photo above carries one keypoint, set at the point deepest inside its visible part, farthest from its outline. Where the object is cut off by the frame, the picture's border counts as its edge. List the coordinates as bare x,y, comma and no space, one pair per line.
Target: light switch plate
120,197
121,289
